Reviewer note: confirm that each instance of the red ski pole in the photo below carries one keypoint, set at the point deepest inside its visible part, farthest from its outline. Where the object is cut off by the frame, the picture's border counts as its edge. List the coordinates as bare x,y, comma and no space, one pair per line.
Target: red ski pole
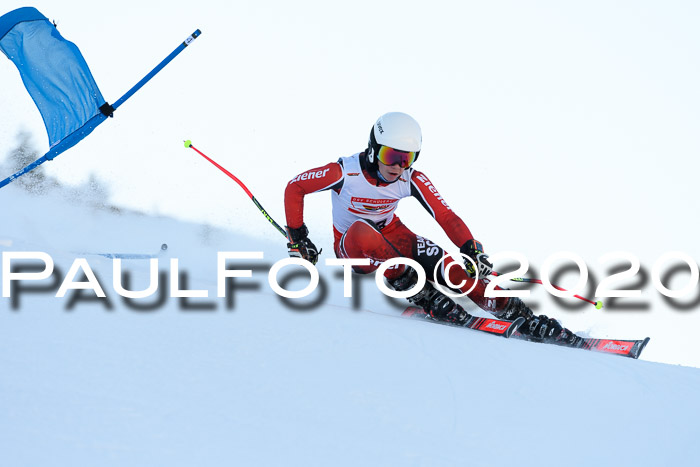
188,144
597,304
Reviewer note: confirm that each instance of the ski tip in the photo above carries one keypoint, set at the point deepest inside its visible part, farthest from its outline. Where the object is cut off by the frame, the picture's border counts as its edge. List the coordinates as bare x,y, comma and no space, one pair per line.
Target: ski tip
188,143
514,326
641,347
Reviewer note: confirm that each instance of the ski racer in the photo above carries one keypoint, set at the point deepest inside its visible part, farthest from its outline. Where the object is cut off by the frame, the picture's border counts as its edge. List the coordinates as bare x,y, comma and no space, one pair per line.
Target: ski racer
365,190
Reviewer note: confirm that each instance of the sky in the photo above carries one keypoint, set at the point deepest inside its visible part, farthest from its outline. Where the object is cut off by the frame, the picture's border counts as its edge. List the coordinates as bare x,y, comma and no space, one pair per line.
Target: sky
547,126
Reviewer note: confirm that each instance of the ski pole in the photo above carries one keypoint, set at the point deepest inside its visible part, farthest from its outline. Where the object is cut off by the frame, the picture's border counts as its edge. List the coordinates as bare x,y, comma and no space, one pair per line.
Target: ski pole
597,304
188,144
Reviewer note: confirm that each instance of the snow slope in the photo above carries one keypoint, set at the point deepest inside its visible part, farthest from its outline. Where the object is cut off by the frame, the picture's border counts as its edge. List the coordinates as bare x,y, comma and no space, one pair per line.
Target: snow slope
259,383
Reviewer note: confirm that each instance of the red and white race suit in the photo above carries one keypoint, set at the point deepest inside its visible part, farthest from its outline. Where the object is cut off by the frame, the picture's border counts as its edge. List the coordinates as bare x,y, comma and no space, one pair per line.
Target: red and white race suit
365,225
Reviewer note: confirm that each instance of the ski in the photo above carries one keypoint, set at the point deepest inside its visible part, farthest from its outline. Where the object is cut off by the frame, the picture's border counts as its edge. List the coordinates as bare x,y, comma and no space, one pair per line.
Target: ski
622,347
489,325
625,348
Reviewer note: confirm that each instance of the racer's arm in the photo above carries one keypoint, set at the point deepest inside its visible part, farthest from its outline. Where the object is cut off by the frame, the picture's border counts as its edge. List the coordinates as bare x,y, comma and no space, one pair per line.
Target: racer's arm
454,227
328,177
425,192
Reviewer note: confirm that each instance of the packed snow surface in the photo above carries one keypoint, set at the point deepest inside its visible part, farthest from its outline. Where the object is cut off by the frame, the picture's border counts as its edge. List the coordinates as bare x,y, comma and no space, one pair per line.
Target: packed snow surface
248,380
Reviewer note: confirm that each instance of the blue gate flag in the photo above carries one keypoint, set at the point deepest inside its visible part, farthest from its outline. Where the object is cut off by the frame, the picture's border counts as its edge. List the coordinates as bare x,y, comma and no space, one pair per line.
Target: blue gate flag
54,72
58,79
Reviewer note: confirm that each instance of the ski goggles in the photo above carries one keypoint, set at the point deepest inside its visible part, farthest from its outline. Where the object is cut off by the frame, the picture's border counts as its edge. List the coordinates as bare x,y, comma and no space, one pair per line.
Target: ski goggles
391,156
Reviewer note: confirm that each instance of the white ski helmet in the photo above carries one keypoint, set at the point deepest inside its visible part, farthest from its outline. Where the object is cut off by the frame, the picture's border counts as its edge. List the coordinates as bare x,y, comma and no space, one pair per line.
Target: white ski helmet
395,130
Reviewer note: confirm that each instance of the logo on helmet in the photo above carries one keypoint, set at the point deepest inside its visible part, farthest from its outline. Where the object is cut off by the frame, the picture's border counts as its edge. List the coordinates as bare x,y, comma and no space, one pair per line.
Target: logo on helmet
379,127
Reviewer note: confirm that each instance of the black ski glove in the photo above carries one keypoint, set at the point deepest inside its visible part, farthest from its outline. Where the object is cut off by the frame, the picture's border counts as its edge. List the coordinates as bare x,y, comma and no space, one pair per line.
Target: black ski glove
300,246
475,251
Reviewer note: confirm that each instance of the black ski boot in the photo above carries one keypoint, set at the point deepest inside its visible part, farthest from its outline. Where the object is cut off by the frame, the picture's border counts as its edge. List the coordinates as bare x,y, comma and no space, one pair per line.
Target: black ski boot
539,327
435,303
569,339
